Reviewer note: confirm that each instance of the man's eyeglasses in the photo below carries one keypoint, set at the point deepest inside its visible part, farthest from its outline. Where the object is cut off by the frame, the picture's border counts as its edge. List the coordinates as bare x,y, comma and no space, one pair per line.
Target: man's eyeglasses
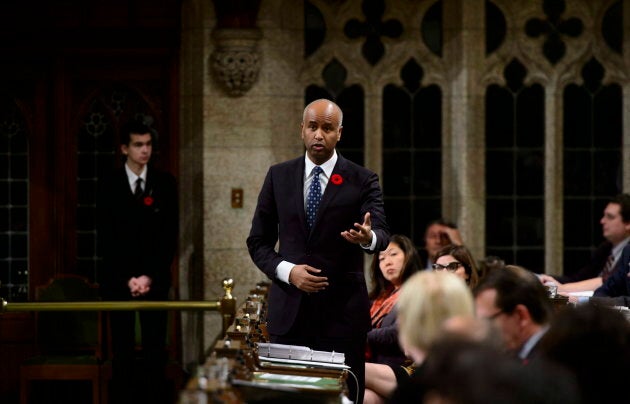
495,315
451,266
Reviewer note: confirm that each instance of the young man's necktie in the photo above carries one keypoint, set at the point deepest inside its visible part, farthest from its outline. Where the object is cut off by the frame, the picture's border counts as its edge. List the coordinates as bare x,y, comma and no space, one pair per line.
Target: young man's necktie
138,191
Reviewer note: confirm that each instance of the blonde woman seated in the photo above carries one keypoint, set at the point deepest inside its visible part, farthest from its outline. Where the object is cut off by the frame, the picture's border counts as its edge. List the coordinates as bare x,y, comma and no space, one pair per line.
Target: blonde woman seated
426,301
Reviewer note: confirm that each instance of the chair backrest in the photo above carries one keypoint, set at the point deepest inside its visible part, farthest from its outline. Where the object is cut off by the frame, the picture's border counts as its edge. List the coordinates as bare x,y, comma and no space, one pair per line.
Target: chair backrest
69,332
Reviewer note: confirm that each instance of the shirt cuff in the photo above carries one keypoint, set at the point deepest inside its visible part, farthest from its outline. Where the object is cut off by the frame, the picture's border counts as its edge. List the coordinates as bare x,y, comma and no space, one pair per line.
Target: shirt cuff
283,270
371,246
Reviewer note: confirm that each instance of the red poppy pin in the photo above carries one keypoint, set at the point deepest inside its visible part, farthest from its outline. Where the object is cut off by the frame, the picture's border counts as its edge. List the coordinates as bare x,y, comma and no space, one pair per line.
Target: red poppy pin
148,201
336,179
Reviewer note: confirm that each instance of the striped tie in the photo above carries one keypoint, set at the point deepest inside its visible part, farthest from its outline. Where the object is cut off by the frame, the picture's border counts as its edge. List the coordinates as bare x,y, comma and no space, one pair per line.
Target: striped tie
608,268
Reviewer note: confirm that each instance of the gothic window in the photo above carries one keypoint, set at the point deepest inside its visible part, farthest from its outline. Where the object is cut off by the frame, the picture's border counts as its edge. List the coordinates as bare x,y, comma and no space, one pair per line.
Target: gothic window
555,28
495,27
533,49
14,186
515,170
412,155
612,27
431,28
373,29
314,28
592,160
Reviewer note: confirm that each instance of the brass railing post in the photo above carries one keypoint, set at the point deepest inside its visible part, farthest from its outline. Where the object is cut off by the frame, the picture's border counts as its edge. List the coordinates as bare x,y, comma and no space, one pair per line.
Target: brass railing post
227,305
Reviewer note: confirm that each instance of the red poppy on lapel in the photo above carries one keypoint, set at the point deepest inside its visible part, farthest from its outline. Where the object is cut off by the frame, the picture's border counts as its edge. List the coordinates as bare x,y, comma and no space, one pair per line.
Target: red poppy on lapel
148,200
336,179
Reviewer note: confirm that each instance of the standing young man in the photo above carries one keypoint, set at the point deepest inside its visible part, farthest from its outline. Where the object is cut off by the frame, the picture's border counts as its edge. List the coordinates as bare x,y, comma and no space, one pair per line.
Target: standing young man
138,216
325,212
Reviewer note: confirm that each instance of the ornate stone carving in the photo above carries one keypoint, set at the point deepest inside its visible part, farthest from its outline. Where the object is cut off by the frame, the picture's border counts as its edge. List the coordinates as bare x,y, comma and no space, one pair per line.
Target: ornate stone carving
236,60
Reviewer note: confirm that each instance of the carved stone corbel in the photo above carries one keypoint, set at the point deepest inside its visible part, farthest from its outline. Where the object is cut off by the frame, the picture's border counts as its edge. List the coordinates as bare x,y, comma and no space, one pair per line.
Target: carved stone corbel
236,60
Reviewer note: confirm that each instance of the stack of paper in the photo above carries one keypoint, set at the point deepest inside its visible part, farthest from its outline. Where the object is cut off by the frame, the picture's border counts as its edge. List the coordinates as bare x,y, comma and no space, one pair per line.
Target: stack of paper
587,293
297,352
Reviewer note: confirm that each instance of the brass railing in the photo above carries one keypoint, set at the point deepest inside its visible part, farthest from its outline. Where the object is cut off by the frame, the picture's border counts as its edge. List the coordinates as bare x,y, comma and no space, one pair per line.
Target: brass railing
225,305
111,306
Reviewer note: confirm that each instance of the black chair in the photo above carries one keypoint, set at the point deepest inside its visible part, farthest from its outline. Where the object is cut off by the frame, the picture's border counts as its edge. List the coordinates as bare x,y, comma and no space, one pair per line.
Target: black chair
69,343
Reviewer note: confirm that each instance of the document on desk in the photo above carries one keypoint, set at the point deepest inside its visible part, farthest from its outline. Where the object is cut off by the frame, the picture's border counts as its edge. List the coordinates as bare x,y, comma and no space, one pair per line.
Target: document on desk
296,354
586,293
323,365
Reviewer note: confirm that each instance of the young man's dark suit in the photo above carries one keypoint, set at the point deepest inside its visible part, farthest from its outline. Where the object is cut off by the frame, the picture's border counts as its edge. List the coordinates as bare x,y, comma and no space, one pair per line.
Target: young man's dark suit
137,236
336,318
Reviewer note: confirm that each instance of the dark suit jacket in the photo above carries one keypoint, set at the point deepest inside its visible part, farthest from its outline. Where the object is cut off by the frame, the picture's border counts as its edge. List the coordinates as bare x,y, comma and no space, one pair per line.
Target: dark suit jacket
137,236
383,342
618,284
343,307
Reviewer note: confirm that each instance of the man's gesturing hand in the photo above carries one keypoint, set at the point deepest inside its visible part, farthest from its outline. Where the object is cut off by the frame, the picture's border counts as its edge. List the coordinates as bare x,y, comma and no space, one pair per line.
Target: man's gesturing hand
303,277
362,234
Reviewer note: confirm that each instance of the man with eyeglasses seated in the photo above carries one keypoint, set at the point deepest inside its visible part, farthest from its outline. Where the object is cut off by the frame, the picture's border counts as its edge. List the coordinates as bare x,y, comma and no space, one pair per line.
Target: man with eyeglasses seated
517,302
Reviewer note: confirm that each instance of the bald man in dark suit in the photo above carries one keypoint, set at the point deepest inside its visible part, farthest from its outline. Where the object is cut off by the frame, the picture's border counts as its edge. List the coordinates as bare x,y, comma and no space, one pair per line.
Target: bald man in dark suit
318,297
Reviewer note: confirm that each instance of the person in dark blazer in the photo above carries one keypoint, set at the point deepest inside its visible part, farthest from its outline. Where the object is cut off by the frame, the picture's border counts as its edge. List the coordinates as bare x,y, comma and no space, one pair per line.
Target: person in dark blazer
318,297
615,223
137,234
616,290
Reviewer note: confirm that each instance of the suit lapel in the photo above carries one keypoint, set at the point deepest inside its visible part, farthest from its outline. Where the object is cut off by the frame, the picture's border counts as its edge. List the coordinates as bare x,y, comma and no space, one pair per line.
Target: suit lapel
148,189
122,183
331,191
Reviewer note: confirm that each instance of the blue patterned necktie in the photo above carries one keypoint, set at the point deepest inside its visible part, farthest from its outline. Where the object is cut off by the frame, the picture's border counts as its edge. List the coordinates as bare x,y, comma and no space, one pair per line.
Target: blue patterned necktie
314,197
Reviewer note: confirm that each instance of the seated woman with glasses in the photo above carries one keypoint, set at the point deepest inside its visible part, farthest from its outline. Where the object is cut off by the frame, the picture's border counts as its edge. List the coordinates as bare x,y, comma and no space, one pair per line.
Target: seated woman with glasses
458,260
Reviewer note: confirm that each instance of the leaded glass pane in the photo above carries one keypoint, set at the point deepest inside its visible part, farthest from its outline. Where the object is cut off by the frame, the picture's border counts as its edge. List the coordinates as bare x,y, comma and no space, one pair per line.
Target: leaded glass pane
427,173
398,223
396,175
515,170
530,217
13,203
412,154
396,117
500,224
